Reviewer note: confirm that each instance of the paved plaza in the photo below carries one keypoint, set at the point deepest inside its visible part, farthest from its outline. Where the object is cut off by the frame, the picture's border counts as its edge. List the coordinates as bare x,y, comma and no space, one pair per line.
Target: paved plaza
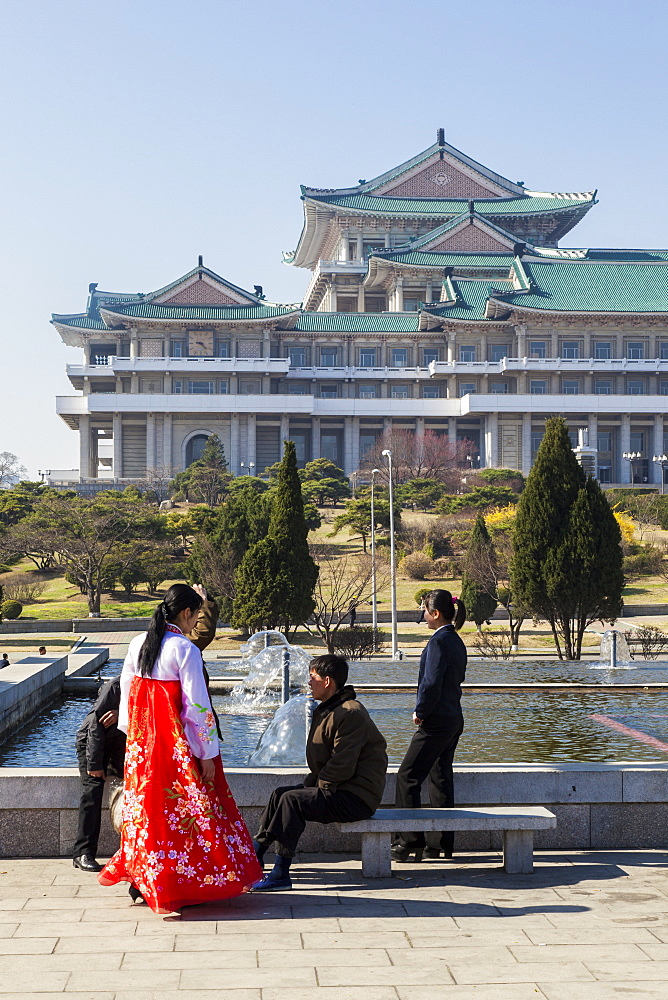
584,925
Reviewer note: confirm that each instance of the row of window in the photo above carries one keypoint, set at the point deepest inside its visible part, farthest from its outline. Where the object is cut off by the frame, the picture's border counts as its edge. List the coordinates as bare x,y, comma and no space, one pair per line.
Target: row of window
367,357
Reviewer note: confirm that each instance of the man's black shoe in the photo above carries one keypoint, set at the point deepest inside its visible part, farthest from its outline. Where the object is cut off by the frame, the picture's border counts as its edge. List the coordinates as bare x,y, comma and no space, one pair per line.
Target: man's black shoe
87,863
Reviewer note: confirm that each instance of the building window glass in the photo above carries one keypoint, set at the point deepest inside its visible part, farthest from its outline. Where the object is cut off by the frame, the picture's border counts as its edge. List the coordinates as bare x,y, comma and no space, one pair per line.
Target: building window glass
177,348
410,304
374,303
330,447
124,349
635,350
637,441
399,392
297,389
570,349
367,443
467,353
177,386
635,387
663,388
604,474
537,349
536,438
302,440
663,351
370,246
329,392
328,357
223,387
431,392
604,442
497,352
570,387
200,387
250,387
602,351
538,386
346,304
297,357
367,392
367,357
498,387
399,357
467,387
222,348
195,447
429,354
603,387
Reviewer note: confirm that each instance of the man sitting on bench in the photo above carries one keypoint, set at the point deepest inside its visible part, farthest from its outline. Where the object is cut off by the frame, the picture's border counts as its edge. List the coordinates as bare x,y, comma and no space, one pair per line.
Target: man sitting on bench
347,762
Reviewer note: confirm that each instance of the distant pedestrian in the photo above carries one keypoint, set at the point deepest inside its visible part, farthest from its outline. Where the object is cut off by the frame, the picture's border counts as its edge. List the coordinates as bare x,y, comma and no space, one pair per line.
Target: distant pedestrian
42,650
353,615
5,661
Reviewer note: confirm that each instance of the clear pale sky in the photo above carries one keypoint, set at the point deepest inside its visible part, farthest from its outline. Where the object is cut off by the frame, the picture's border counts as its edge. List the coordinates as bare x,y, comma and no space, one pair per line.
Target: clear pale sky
139,134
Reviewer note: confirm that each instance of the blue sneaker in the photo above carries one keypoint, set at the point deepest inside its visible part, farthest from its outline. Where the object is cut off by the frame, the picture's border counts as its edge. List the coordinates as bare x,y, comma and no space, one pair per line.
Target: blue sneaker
273,882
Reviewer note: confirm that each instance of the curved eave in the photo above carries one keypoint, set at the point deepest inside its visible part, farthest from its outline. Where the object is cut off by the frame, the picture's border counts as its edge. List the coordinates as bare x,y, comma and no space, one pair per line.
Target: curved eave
314,230
267,322
508,307
76,336
432,321
561,206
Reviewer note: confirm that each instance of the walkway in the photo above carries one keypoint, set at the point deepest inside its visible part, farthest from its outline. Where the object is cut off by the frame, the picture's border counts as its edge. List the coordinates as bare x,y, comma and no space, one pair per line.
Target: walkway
592,926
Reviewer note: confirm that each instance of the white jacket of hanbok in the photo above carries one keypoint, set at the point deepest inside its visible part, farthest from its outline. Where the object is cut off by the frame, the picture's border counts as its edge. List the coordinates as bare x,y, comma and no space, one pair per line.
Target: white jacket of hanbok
178,660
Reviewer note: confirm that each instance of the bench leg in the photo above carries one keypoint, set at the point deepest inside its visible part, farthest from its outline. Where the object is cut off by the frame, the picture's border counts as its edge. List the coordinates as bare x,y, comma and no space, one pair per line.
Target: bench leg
518,851
376,859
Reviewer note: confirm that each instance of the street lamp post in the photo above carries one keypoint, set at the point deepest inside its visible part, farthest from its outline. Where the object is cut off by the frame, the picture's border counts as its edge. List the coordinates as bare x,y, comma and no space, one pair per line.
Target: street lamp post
661,460
374,599
632,457
251,466
393,566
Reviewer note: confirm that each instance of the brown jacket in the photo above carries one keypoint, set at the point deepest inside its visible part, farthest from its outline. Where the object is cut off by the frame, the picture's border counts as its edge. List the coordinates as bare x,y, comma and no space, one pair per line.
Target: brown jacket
345,751
204,631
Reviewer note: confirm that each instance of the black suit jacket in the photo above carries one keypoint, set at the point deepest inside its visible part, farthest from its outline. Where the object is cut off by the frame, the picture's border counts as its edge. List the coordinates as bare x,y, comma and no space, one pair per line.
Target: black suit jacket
442,670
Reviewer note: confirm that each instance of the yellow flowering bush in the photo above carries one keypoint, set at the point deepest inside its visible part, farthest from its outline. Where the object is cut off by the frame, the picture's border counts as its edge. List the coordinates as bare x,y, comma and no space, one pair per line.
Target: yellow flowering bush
626,527
501,518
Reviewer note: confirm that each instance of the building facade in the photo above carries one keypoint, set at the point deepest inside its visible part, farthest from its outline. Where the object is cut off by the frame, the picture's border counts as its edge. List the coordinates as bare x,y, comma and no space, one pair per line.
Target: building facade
439,300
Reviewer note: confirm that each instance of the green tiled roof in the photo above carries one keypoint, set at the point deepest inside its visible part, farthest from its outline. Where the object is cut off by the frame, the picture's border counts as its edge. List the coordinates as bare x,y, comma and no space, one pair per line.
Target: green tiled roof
154,310
628,255
317,322
471,302
574,286
417,258
445,207
81,321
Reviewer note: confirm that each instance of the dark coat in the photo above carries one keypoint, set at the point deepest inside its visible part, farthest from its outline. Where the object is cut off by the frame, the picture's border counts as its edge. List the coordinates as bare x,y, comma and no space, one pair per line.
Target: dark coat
442,670
103,746
345,751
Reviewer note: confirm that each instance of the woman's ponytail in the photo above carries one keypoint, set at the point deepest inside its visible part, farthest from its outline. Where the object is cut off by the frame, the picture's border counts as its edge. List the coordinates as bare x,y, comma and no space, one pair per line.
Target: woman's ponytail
452,608
179,597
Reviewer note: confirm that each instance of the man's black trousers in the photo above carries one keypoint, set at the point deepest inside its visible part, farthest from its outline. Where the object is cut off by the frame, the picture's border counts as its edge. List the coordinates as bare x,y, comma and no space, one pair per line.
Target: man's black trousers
90,804
429,756
290,807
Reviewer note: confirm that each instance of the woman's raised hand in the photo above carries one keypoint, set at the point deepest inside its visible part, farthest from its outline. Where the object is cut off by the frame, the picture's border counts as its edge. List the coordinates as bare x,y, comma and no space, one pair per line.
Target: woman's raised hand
208,769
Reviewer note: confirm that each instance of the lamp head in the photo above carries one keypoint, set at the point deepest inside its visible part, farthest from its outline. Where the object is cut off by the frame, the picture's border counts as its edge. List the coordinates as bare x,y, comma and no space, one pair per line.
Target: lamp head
375,472
387,453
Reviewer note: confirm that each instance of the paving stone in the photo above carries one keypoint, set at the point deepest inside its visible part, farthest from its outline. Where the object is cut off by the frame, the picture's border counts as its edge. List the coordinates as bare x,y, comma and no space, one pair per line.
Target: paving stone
27,946
624,990
104,960
520,972
7,930
629,970
438,957
210,979
587,953
381,975
321,957
218,994
50,996
90,945
34,982
516,991
230,960
361,939
240,942
462,939
605,934
130,979
335,993
35,928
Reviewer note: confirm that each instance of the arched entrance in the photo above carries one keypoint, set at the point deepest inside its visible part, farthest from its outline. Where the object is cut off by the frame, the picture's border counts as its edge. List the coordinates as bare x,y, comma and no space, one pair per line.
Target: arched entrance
195,447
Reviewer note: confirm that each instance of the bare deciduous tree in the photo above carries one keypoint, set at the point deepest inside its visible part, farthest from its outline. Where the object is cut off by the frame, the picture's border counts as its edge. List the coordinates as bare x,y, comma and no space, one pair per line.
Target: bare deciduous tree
11,470
420,456
344,583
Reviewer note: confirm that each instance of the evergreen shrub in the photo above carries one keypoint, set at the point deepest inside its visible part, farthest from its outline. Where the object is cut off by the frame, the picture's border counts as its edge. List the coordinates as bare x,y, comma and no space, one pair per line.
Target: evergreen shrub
11,610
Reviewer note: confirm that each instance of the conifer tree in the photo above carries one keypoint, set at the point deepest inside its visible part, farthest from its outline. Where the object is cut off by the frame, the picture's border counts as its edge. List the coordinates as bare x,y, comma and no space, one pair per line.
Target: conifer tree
479,577
556,573
277,576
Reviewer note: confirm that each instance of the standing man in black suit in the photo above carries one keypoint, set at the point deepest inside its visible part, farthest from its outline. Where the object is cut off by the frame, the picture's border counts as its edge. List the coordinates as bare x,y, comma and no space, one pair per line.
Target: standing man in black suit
438,716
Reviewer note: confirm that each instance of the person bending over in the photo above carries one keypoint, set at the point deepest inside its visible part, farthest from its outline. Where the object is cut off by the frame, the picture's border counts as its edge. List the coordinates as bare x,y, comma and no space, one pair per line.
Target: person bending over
347,760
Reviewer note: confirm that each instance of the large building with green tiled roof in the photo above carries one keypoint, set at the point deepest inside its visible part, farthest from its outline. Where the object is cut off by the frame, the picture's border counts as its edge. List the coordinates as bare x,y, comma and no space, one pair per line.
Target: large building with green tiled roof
439,300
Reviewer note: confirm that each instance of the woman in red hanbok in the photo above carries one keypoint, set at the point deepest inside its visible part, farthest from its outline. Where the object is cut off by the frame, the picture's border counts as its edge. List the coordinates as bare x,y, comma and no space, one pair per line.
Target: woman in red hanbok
183,840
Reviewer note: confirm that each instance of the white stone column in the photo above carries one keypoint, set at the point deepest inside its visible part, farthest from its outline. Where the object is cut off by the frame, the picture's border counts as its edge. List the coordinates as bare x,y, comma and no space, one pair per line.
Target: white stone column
150,441
419,427
360,248
84,446
430,291
348,466
452,430
86,386
344,248
332,298
134,345
250,442
387,425
656,472
521,332
285,431
355,443
360,298
388,241
86,352
234,444
624,473
492,441
483,347
266,344
399,296
117,431
452,337
526,444
592,427
167,441
315,438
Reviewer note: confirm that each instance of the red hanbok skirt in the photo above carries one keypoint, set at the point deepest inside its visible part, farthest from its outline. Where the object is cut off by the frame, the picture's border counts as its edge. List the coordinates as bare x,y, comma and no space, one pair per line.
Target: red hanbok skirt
183,841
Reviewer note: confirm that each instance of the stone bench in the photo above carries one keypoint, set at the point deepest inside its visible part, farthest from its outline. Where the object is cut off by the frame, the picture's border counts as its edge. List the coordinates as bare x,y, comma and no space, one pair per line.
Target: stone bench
516,822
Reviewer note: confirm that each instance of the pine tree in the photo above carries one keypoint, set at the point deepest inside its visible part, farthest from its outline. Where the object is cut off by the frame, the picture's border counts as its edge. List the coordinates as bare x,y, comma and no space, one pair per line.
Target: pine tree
479,578
566,567
277,576
213,454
